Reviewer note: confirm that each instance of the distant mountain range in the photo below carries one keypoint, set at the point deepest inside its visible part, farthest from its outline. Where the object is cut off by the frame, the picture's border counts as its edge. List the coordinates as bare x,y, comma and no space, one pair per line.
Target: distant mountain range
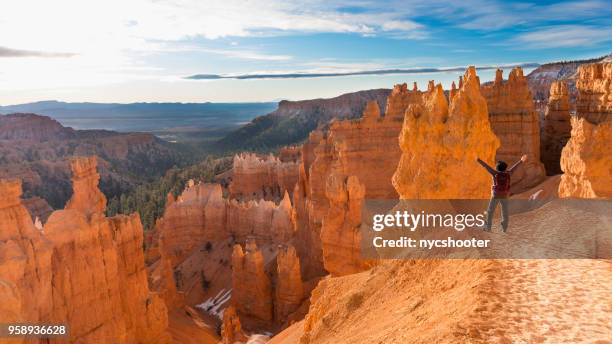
146,117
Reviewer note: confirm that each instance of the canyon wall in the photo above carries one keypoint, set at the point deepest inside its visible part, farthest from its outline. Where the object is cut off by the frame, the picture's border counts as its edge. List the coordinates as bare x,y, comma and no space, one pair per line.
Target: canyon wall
440,143
585,159
81,268
263,178
366,148
251,286
557,127
595,92
515,121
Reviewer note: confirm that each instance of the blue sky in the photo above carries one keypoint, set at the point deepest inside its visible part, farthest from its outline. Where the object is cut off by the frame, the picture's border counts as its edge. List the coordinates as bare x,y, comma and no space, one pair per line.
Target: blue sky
143,50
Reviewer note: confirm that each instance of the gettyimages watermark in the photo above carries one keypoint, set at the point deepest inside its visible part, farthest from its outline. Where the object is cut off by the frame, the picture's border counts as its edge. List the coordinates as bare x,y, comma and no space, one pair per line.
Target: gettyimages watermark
456,229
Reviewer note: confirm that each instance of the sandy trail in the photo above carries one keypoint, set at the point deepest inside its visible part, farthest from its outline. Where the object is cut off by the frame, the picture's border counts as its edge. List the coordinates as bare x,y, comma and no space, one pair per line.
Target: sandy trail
547,301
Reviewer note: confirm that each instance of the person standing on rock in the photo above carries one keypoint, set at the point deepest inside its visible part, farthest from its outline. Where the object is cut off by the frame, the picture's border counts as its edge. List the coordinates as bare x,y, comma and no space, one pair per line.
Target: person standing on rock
500,190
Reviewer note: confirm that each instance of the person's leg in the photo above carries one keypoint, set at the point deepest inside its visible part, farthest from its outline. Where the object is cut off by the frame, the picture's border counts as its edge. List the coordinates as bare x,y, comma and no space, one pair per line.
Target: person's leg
505,217
490,212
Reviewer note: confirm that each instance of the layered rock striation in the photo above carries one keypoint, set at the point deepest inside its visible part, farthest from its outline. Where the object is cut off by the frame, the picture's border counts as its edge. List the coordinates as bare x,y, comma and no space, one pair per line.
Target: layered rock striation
557,127
80,261
268,177
289,289
516,123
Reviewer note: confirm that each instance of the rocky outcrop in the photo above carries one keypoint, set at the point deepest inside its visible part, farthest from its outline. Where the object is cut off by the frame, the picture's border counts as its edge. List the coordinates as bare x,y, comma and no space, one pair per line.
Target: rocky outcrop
231,332
440,143
585,161
268,178
340,232
557,127
82,268
516,123
366,148
86,196
293,121
251,286
289,291
595,92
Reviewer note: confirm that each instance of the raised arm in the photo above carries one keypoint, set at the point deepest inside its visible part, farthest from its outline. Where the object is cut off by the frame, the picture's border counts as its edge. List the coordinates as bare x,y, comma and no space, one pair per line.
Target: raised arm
487,167
513,167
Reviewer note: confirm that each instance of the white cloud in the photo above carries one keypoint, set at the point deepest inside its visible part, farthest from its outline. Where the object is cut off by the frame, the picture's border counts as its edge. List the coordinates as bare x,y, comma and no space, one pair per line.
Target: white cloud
564,36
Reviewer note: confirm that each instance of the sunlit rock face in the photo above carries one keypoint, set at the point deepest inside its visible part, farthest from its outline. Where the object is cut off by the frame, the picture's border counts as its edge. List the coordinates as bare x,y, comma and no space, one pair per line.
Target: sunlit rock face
585,159
366,148
266,177
251,286
289,291
81,268
340,232
557,127
440,143
516,123
86,197
595,92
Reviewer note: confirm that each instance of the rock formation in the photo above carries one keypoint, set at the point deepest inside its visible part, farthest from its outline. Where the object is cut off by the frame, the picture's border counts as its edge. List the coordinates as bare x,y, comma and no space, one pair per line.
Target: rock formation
289,291
585,161
267,178
251,286
231,330
595,92
440,144
557,127
86,196
516,123
82,269
340,232
366,148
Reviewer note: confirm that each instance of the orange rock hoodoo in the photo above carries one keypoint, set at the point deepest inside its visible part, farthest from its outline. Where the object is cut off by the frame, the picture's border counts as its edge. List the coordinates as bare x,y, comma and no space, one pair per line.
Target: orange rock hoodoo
82,269
557,127
289,291
585,159
440,144
251,286
267,178
515,122
366,148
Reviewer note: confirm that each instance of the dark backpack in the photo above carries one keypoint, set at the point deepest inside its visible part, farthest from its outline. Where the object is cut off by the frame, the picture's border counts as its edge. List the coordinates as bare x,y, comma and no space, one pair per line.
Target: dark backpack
502,183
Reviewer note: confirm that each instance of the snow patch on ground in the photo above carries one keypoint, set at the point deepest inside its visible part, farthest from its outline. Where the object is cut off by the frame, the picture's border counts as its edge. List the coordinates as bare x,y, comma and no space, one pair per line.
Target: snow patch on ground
213,305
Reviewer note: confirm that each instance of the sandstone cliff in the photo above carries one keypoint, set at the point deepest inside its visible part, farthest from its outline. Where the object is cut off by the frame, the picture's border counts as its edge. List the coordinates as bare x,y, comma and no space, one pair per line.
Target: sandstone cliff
585,161
251,286
595,92
557,127
440,144
289,289
516,123
340,231
268,178
82,268
366,148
